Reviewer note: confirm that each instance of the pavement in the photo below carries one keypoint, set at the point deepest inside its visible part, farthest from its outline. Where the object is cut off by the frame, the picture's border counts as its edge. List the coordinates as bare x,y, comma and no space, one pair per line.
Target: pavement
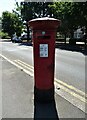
18,98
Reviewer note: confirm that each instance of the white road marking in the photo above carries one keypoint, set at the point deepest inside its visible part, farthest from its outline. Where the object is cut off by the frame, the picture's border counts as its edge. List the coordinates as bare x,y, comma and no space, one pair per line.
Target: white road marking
72,94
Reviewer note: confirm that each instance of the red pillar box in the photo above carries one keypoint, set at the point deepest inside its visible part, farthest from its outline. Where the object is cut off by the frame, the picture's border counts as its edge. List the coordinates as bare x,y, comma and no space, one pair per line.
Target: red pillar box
44,35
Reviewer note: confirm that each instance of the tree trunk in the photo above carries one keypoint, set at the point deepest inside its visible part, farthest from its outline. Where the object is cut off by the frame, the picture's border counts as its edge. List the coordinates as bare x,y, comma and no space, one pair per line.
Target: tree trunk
86,36
43,9
27,33
65,38
72,41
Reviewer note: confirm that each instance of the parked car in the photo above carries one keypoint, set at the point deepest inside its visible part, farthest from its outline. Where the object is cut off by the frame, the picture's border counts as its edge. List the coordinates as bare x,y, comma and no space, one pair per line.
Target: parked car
16,39
24,37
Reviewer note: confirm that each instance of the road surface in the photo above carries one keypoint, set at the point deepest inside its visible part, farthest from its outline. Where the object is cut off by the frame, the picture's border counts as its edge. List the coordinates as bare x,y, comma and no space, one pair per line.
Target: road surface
69,69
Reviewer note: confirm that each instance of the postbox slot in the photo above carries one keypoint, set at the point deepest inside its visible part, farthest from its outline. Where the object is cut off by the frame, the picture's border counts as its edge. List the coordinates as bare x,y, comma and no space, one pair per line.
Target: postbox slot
43,37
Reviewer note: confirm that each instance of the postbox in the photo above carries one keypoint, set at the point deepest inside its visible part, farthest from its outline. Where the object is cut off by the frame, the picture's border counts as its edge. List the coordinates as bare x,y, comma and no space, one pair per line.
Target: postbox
44,35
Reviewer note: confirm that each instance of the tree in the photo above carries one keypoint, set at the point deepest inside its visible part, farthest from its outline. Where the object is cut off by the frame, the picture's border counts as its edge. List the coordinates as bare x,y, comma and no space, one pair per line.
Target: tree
0,23
31,10
72,15
11,23
61,10
79,14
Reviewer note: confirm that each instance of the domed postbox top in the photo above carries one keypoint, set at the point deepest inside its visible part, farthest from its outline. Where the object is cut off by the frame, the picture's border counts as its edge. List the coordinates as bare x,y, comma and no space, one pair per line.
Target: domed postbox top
44,23
44,18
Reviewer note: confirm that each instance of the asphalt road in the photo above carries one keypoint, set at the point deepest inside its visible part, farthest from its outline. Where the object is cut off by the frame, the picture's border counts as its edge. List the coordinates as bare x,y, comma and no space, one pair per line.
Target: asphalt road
69,66
18,97
69,70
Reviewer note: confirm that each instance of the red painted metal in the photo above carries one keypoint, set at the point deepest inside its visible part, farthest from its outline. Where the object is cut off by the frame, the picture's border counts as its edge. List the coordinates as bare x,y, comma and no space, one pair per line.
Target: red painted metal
44,33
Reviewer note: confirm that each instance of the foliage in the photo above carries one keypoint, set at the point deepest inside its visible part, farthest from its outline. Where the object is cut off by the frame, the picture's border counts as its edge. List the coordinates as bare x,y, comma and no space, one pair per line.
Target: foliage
31,10
71,14
3,35
11,23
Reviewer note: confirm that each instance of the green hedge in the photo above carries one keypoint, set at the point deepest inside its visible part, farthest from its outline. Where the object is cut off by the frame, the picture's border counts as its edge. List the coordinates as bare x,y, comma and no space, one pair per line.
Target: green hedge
4,35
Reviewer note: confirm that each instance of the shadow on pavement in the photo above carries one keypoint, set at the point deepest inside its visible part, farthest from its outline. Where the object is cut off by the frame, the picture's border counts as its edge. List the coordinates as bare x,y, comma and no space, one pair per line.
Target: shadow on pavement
25,43
5,40
45,111
78,48
74,48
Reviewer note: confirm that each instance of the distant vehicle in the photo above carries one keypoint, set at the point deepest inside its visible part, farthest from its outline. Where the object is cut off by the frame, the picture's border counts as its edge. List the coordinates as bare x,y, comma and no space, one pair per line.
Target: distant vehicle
16,39
24,37
78,34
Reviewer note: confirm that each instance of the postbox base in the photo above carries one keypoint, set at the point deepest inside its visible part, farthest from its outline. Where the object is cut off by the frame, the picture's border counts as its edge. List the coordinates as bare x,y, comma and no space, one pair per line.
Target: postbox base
43,96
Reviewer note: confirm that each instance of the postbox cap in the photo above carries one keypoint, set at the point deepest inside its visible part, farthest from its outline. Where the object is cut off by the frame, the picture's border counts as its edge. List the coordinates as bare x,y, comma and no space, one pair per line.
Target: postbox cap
43,18
44,23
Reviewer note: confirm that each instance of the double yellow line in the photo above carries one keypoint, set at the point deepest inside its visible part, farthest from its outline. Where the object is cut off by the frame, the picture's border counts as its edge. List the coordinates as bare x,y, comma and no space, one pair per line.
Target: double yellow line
71,90
74,91
25,65
79,96
57,81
